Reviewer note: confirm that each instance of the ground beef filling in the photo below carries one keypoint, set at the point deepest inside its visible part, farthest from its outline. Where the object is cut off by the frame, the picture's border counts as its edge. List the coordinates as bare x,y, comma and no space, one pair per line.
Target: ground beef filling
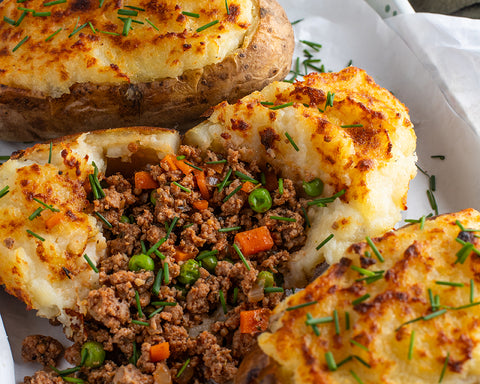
195,205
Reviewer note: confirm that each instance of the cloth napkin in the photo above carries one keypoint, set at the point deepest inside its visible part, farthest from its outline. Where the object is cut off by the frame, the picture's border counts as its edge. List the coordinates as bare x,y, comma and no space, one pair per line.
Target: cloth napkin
467,8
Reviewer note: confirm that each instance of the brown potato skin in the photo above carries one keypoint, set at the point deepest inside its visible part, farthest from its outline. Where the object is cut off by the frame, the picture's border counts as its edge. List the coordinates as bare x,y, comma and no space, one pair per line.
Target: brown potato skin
173,102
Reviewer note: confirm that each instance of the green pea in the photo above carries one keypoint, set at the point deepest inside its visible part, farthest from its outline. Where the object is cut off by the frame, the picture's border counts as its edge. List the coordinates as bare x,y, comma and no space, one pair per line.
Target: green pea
260,200
313,188
267,278
124,219
92,354
189,272
209,263
141,261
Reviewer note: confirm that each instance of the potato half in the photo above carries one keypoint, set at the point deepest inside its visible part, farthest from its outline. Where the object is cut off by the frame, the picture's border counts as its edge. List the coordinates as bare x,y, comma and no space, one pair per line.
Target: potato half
91,64
412,318
349,132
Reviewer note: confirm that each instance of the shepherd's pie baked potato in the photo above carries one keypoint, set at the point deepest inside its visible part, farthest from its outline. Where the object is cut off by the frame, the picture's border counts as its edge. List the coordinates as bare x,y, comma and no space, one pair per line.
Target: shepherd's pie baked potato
75,66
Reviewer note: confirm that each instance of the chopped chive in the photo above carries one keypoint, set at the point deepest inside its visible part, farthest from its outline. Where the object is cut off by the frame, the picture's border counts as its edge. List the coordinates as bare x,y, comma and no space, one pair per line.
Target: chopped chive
216,162
67,371
9,21
183,367
281,218
472,291
105,221
139,305
101,3
231,229
463,229
37,212
136,8
280,186
344,361
477,251
4,191
157,311
302,305
135,354
464,252
322,202
73,380
51,144
194,166
232,193
444,368
375,249
153,25
67,273
332,366
172,225
206,254
319,320
441,157
296,21
242,176
281,106
432,301
142,245
127,12
449,283
35,235
337,323
92,27
466,306
207,26
432,201
329,102
26,9
351,126
361,299
410,348
314,326
235,295
90,263
159,254
265,103
124,19
273,289
362,271
432,182
354,342
185,189
110,33
157,283
224,181
409,322
307,220
222,301
164,303
127,24
347,321
78,29
191,14
227,7
359,359
240,254
422,222
138,322
434,314
166,274
4,158
55,2
294,145
47,206
42,14
355,376
314,46
325,241
20,43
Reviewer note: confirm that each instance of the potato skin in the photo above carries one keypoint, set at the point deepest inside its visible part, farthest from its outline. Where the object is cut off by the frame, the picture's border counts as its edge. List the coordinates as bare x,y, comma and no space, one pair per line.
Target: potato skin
171,102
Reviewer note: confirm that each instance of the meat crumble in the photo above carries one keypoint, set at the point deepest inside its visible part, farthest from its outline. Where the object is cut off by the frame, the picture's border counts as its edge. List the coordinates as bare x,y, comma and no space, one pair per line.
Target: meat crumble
182,294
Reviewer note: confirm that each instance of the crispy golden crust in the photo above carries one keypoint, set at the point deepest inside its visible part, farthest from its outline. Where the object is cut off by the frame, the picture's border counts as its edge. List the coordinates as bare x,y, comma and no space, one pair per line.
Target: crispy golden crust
263,55
415,259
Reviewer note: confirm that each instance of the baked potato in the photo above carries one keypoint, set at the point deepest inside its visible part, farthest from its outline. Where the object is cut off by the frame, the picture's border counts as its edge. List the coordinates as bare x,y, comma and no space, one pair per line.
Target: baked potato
409,315
88,64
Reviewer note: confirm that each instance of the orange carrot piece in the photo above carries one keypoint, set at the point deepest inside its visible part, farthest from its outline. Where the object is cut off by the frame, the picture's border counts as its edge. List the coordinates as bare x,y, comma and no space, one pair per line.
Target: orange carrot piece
170,161
254,321
248,187
200,204
182,256
143,180
159,352
185,168
254,241
202,183
54,220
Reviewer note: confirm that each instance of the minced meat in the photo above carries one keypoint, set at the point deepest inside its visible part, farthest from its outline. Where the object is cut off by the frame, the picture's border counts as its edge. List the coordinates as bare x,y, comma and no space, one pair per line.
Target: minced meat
200,203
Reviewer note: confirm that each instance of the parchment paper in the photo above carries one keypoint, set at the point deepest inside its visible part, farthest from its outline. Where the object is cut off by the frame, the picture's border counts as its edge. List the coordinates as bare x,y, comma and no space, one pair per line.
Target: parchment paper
436,78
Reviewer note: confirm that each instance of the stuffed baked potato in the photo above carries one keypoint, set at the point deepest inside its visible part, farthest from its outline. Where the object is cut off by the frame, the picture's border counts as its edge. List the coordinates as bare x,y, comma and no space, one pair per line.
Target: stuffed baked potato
83,65
214,230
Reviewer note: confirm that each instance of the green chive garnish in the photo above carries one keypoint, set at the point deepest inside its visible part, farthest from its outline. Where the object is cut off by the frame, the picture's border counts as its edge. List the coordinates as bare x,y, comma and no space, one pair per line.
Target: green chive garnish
432,201
105,221
191,14
472,291
280,186
20,43
294,145
235,295
101,3
127,24
337,323
434,314
444,368
157,311
222,301
92,28
307,220
136,8
51,144
42,14
325,241
449,283
37,212
319,320
26,9
110,33
296,21
314,327
242,176
194,166
73,380
9,21
375,249
207,26
351,126
164,303
172,225
166,274
464,252
206,254
273,289
302,305
281,218
4,191
433,183
362,361
466,306
344,361
322,202
90,263
362,271
157,283
281,106
361,299
355,376
153,25
49,207
410,348
232,193
441,157
127,12
227,7
185,189
267,103
78,29
139,306
332,366
314,46
4,158
54,2
216,162
183,368
347,321
240,254
224,181
329,102
231,229
138,322
35,235
359,345
20,19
